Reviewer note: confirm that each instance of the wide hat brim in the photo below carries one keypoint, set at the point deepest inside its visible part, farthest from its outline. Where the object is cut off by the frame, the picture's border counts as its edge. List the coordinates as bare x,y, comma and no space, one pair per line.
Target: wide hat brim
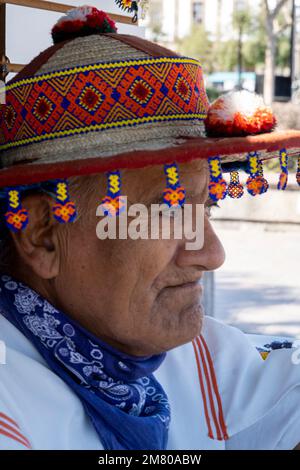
71,141
231,150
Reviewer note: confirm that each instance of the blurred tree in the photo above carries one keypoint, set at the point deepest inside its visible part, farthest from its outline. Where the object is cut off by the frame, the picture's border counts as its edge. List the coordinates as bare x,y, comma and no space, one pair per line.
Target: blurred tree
219,20
219,56
255,45
277,20
254,49
226,56
155,24
198,45
241,21
283,51
157,32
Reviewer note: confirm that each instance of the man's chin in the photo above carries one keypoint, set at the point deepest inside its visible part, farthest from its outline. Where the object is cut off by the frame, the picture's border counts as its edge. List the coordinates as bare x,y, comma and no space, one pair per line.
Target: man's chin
190,326
180,321
192,320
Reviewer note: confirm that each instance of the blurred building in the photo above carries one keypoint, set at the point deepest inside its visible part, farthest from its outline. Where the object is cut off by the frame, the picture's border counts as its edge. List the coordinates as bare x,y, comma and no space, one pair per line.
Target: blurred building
170,20
227,81
297,41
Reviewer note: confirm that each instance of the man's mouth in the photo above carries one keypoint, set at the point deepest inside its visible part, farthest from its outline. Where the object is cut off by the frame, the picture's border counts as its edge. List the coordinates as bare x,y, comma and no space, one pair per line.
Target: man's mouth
194,286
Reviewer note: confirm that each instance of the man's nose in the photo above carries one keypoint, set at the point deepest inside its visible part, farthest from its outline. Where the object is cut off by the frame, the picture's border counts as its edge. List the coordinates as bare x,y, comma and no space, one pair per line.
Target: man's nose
210,257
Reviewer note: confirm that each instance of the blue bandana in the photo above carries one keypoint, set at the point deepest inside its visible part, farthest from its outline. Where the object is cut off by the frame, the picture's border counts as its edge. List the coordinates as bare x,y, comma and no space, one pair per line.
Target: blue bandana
127,406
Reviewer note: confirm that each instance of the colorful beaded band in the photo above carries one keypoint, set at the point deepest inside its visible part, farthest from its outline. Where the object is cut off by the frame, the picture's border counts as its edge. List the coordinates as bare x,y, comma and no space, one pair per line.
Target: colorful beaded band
174,194
256,183
16,216
217,186
235,188
64,210
102,96
283,179
113,203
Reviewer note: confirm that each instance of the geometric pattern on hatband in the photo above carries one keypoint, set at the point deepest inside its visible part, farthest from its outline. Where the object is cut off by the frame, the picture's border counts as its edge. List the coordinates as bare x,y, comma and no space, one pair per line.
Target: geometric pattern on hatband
102,96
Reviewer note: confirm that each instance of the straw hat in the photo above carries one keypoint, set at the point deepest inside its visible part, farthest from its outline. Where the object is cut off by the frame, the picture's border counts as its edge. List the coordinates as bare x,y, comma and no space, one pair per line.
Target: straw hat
99,101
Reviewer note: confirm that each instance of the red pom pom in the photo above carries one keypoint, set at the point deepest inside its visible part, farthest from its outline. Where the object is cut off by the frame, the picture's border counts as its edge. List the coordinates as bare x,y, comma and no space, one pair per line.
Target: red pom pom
239,114
82,21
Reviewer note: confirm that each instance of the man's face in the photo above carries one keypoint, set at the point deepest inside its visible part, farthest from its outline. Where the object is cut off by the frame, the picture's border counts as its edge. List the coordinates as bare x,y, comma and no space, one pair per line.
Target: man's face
141,296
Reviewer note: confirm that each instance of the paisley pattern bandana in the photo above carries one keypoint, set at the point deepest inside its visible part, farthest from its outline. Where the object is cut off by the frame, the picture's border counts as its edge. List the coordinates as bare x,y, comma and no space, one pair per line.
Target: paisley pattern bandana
127,406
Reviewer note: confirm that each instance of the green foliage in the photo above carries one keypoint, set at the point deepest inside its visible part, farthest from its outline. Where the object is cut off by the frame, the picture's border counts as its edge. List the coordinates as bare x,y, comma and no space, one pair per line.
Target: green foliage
199,46
242,21
283,51
273,165
227,53
223,55
212,94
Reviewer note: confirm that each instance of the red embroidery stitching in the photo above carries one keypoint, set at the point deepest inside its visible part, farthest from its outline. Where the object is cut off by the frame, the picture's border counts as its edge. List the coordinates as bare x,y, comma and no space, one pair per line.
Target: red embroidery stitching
108,97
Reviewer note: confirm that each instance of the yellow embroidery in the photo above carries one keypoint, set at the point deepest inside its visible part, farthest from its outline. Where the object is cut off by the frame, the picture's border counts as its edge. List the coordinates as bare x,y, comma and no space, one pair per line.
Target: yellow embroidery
103,66
114,183
14,200
172,174
254,166
62,192
97,127
284,158
215,168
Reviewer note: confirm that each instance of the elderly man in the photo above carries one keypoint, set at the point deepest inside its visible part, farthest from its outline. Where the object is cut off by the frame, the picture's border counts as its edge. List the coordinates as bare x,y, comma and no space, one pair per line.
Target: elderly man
107,345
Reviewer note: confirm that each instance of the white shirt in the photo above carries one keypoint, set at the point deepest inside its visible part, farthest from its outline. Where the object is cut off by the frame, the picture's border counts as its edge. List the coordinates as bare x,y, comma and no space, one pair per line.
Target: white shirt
218,384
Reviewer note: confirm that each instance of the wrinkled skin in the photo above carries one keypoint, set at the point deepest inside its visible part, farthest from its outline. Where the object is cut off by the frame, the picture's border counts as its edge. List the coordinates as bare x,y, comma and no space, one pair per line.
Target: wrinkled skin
141,296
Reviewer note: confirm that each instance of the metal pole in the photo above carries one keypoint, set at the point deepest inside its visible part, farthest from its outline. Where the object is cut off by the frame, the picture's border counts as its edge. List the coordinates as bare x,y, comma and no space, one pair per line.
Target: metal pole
209,293
3,71
240,11
292,49
240,57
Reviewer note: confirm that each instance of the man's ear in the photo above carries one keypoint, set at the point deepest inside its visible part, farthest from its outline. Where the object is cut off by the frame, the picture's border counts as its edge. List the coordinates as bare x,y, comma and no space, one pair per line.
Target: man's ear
38,245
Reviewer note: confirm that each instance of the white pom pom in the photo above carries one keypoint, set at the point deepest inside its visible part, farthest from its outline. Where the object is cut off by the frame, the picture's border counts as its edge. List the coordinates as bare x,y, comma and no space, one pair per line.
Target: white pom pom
239,113
243,102
76,14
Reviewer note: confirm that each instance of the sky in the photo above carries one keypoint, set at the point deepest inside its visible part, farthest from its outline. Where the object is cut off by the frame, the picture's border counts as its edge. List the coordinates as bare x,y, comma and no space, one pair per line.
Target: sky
28,29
